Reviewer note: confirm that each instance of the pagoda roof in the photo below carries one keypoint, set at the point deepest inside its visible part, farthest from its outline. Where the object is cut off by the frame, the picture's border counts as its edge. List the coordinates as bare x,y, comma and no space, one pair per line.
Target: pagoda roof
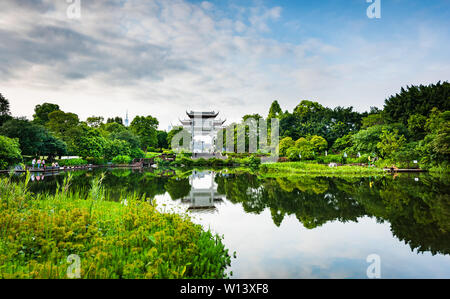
204,114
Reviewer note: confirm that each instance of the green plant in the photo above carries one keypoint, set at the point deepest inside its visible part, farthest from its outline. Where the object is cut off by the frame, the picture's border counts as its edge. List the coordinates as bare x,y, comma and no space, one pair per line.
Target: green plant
122,160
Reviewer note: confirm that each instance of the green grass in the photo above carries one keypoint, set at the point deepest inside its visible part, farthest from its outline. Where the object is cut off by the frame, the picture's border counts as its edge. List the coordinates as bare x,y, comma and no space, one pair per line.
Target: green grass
308,168
150,155
128,239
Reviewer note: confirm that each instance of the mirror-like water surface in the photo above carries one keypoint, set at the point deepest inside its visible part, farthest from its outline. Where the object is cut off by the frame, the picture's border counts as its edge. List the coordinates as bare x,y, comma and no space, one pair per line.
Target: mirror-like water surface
303,227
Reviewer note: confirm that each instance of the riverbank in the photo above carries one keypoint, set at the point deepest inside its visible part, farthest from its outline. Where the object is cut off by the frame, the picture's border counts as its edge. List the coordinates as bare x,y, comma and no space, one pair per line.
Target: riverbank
309,168
126,239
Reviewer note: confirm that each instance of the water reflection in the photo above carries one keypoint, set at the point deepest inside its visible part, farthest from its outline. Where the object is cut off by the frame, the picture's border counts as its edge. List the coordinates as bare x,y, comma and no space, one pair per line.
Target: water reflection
203,195
303,226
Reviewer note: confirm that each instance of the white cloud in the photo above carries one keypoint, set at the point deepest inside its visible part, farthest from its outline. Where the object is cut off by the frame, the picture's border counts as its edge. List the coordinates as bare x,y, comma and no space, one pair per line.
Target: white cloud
163,57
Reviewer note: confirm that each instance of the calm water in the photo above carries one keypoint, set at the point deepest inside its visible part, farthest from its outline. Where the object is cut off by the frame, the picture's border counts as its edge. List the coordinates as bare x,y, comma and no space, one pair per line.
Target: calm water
304,227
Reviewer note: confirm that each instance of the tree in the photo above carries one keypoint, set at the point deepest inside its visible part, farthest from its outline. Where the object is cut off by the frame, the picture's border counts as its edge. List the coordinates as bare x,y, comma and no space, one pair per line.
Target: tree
305,147
5,114
343,143
95,121
416,126
114,148
285,143
318,143
146,128
162,139
372,120
128,137
390,142
65,126
41,113
274,111
116,119
89,144
306,108
34,139
417,100
9,152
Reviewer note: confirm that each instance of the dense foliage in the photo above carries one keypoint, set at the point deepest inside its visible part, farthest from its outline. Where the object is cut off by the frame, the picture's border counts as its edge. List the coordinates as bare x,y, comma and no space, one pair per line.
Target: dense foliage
112,239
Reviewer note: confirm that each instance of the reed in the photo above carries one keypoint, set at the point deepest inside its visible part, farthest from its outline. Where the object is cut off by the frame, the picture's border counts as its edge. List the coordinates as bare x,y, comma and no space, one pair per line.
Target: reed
121,240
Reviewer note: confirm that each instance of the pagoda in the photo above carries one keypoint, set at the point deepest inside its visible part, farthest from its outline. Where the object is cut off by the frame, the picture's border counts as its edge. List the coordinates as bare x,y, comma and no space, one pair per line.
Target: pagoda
203,127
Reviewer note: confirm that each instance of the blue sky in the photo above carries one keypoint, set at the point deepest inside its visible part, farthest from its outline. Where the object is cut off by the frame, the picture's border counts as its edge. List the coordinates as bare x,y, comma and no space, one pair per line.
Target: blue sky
163,57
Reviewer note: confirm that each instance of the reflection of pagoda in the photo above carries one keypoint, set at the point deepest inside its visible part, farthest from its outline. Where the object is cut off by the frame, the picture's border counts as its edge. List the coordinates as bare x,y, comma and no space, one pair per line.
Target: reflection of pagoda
202,124
202,197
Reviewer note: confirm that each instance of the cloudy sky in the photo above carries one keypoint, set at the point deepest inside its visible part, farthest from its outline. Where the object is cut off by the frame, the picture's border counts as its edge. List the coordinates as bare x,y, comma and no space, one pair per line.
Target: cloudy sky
162,57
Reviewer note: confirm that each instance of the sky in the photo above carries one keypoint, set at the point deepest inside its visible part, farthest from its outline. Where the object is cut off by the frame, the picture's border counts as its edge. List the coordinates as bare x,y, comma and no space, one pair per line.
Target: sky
163,57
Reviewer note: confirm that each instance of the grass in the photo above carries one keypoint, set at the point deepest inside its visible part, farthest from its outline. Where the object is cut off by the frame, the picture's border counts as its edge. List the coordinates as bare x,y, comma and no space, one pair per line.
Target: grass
308,168
119,240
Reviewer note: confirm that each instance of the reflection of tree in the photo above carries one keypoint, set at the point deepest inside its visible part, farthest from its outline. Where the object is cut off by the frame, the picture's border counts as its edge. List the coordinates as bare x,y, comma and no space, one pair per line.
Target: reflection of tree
418,211
178,188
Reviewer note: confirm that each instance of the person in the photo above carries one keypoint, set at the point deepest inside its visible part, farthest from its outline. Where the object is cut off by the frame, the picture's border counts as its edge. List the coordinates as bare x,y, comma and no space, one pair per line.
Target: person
43,164
33,162
39,163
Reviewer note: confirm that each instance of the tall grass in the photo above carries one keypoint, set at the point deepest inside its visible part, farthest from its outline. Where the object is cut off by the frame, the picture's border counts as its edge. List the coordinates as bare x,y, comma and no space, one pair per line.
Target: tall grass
113,240
310,168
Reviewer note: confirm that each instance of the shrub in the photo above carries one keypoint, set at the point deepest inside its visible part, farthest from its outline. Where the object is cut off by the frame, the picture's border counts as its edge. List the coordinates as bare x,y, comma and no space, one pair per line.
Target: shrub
10,153
72,162
332,159
137,153
97,161
122,159
113,240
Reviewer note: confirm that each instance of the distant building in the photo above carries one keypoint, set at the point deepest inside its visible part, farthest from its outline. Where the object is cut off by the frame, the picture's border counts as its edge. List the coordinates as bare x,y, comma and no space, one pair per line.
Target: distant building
203,125
126,120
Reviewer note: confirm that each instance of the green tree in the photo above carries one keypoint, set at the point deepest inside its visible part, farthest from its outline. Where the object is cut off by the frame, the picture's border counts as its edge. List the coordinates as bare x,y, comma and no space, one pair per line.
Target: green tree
372,120
127,136
285,143
416,126
117,147
117,120
319,143
390,142
162,139
95,121
41,113
5,114
146,128
9,152
34,139
417,100
65,126
274,111
89,143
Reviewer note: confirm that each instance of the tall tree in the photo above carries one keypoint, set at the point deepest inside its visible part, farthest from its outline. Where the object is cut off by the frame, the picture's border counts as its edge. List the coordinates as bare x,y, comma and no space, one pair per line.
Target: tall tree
146,128
41,113
417,100
5,114
34,139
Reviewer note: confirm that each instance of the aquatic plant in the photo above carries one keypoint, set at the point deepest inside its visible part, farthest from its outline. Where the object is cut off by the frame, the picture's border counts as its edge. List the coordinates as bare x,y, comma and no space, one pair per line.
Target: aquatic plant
113,240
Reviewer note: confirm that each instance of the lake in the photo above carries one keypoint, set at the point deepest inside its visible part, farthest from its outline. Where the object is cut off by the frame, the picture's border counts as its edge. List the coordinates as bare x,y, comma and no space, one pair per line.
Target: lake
301,226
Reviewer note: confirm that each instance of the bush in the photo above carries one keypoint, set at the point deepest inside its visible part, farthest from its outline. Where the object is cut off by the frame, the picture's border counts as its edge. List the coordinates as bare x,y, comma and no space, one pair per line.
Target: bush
10,153
113,240
137,153
332,159
97,161
122,160
72,162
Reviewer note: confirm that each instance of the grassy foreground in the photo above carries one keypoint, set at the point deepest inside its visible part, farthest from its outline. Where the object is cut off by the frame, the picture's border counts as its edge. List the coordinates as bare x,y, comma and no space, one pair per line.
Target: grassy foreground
309,168
131,239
